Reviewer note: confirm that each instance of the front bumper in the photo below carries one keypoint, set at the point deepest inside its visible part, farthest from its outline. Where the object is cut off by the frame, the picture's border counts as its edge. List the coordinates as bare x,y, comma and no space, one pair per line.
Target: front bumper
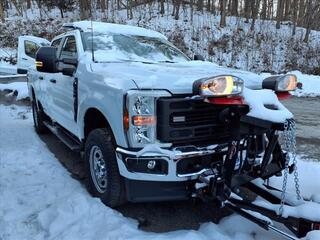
178,164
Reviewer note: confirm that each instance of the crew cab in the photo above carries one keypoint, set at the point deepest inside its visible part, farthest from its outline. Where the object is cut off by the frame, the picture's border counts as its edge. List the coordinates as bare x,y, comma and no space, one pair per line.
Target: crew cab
152,123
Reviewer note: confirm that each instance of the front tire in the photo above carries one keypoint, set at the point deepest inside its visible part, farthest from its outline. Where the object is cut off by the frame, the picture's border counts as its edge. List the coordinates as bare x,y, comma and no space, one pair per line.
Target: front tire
103,178
38,118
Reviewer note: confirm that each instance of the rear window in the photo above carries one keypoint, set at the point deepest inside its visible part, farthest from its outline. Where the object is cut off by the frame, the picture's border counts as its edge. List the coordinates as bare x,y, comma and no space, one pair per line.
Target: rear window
31,48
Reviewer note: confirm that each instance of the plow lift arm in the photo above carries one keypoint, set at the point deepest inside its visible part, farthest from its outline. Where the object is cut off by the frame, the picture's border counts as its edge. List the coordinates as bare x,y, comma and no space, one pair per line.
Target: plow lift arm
221,184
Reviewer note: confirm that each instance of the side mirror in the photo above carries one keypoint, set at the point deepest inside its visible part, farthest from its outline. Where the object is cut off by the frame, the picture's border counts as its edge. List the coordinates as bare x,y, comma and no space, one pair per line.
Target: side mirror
46,60
198,57
68,71
70,61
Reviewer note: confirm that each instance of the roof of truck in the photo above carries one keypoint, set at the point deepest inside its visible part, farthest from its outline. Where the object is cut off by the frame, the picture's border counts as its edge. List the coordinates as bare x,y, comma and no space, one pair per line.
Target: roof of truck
113,28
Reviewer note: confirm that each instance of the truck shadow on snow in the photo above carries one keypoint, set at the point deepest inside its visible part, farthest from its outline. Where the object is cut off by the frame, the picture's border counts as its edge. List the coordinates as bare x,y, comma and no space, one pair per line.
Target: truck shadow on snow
154,217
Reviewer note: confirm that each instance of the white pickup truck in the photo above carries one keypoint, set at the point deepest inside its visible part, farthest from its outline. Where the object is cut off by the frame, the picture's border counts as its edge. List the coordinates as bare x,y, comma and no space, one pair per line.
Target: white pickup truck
153,124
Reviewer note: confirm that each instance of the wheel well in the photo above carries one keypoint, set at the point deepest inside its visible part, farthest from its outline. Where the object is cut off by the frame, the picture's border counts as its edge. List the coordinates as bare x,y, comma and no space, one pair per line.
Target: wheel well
94,119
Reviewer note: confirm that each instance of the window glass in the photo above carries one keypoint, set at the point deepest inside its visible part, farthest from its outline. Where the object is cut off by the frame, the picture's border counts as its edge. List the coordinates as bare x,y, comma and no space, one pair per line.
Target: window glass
69,48
56,43
31,48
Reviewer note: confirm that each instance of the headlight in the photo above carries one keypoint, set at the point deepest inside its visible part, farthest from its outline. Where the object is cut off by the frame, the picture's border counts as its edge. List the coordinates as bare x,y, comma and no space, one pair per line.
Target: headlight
283,83
218,86
140,116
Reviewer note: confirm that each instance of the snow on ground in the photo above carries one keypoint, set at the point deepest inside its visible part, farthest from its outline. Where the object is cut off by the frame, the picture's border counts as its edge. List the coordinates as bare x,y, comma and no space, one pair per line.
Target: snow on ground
311,85
39,200
5,67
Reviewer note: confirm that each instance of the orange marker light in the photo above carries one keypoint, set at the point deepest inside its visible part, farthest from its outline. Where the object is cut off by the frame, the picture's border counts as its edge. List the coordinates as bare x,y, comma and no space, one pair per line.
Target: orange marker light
143,120
126,120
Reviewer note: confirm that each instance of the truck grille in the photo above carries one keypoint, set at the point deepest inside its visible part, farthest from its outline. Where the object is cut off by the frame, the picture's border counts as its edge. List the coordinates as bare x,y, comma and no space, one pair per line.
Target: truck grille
184,121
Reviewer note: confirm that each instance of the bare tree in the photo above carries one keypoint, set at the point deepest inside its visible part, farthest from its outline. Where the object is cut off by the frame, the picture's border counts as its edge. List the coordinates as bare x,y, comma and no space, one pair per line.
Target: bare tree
85,8
280,6
254,8
223,10
294,16
1,12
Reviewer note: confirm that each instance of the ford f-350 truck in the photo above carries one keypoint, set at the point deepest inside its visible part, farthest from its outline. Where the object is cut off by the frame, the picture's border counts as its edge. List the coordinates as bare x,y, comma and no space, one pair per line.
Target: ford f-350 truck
153,124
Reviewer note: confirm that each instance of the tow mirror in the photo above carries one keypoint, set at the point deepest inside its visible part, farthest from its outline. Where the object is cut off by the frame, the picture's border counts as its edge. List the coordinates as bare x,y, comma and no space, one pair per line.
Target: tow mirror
70,61
46,60
68,71
198,57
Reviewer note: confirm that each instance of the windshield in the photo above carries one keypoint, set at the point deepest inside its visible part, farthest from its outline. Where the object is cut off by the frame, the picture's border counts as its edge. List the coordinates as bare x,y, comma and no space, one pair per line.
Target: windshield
118,47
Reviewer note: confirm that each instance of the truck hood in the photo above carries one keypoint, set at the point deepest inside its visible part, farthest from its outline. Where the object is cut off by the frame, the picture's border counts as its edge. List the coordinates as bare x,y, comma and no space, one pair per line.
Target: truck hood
177,78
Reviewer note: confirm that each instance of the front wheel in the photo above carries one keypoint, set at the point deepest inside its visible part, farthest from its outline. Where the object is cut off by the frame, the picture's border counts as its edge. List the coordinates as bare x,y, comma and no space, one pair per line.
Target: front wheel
103,178
38,118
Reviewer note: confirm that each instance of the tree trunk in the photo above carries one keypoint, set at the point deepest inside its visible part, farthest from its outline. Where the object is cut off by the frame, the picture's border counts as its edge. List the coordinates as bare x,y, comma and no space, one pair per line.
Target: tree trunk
309,17
301,12
208,5
280,6
28,4
247,10
294,16
84,9
264,10
129,9
176,15
254,8
1,12
103,5
162,7
223,4
234,8
200,5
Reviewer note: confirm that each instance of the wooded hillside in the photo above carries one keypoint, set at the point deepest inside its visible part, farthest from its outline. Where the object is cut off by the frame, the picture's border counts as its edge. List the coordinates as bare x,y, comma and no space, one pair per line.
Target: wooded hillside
256,35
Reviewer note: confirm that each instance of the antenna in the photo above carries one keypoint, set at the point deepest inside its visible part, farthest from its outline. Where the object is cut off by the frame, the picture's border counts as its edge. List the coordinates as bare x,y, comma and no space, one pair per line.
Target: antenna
92,50
92,41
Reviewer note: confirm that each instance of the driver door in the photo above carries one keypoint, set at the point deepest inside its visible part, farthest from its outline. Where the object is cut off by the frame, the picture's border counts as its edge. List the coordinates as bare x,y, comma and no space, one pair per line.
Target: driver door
61,88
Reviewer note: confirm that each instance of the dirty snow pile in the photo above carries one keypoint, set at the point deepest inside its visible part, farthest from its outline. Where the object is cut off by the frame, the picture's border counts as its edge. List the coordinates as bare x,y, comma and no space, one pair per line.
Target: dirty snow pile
39,200
20,89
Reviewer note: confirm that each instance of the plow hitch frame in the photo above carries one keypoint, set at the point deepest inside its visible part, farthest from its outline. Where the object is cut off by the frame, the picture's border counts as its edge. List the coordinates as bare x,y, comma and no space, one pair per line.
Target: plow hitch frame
297,225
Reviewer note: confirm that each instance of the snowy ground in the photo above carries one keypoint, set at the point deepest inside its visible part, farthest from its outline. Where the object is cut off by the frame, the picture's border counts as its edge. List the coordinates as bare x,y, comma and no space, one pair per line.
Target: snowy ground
39,199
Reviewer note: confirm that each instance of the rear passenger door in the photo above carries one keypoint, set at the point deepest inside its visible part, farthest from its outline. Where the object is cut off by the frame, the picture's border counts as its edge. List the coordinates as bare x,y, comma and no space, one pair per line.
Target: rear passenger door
62,86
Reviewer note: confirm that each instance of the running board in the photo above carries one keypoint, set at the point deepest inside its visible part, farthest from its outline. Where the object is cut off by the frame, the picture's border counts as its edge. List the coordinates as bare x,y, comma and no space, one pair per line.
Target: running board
64,136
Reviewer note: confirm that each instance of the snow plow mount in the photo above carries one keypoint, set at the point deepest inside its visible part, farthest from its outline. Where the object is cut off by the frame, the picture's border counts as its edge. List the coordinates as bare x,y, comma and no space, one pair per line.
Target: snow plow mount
222,185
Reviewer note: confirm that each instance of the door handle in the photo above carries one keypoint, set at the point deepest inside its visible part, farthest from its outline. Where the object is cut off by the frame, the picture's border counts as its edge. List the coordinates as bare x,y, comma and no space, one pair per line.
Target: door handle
24,59
40,77
53,80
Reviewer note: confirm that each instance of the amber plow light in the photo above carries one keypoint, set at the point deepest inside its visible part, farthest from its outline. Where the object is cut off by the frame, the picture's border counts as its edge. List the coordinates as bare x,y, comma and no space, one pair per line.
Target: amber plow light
283,83
287,83
218,86
143,120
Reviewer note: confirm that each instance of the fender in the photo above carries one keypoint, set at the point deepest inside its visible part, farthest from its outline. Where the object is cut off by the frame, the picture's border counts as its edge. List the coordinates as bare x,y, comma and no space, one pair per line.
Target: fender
113,117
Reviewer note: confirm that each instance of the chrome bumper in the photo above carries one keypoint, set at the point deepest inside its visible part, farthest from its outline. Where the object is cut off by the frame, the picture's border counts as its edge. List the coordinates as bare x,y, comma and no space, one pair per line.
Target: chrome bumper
172,157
